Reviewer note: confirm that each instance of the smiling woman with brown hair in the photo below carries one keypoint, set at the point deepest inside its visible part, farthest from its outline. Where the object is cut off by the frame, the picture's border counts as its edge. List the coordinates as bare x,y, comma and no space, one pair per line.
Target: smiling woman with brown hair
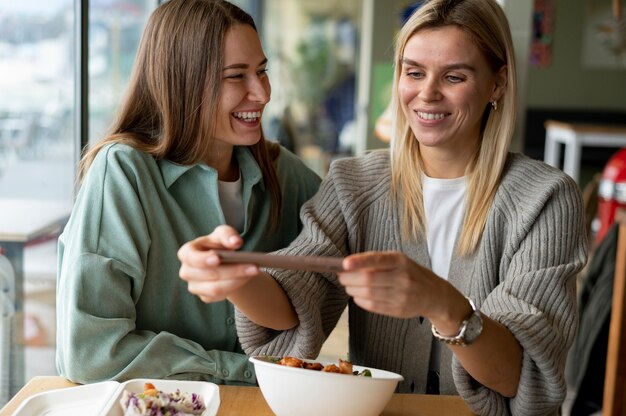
185,154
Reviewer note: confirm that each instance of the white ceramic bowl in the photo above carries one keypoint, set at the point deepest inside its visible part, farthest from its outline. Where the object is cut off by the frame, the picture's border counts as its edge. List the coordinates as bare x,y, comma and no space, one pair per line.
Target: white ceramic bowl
293,391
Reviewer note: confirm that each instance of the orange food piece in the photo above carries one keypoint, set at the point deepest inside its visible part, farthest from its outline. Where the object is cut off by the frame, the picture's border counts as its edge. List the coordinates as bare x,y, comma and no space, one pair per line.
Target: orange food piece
345,366
331,368
313,366
150,390
291,362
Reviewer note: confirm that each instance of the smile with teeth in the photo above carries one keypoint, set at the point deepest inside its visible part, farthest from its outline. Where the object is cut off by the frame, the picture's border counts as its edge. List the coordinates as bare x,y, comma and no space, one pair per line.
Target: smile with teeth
430,116
247,115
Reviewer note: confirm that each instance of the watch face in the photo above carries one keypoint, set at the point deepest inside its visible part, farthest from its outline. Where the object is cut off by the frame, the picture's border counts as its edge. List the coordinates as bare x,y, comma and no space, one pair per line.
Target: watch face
474,328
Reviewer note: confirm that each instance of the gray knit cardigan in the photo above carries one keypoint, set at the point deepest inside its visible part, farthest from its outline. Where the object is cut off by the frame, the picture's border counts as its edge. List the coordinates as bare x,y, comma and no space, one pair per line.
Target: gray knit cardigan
521,275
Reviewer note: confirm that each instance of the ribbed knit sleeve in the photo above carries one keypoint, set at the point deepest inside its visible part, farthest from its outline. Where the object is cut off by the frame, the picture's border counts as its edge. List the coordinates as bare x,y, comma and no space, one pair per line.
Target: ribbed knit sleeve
332,226
537,233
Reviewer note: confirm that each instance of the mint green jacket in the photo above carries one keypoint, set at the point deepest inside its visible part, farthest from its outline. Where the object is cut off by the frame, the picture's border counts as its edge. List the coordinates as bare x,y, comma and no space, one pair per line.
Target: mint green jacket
122,310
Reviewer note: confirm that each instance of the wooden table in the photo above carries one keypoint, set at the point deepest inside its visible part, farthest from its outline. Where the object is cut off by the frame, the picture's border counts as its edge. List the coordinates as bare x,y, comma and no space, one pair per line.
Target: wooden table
575,136
21,222
249,401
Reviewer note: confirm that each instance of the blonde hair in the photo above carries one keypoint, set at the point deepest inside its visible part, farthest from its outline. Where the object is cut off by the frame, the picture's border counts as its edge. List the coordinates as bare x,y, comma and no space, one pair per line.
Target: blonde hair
486,23
171,101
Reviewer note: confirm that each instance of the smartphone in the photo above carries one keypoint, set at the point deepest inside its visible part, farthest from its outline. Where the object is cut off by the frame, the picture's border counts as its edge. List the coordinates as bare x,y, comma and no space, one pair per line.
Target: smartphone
308,263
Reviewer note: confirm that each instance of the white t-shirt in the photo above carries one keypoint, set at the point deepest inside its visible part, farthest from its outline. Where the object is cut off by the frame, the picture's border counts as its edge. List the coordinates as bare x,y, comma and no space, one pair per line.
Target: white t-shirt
232,203
444,205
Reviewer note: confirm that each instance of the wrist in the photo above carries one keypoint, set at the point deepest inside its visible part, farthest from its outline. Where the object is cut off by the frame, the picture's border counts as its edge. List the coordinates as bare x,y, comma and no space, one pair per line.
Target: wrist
452,315
468,331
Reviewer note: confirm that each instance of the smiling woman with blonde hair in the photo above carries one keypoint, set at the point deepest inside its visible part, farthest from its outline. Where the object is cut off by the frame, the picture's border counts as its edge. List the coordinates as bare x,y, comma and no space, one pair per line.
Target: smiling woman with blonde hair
489,30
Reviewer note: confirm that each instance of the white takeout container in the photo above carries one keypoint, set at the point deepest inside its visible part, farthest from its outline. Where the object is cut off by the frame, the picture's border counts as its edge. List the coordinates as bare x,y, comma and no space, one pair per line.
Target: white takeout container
102,399
293,391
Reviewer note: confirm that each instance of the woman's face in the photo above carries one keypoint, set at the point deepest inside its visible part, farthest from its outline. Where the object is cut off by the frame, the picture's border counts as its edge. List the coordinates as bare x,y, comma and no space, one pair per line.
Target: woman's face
245,88
444,87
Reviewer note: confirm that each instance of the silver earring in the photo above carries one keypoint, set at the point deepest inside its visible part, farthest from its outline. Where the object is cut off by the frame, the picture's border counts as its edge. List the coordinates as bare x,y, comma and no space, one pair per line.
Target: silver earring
494,105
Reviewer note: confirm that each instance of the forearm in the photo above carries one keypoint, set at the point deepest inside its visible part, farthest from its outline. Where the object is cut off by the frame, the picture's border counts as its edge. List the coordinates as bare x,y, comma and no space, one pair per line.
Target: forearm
265,303
116,357
494,359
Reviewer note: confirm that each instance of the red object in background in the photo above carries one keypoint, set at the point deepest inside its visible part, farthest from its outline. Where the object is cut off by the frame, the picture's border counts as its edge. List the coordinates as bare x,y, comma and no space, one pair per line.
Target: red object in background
611,192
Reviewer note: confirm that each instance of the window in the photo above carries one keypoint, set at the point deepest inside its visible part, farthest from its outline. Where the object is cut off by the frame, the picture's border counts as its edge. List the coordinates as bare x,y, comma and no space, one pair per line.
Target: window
115,29
37,106
40,143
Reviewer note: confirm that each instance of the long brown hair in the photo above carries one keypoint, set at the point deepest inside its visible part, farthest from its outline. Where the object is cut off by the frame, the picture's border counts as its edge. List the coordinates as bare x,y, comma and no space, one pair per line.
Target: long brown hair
487,25
172,97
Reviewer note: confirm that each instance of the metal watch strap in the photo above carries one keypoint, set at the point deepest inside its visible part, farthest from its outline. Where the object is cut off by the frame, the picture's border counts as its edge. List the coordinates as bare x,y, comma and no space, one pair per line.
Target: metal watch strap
470,329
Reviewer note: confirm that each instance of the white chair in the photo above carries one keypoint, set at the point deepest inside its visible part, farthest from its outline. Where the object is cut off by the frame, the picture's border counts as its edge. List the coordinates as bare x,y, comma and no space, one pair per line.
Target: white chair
7,312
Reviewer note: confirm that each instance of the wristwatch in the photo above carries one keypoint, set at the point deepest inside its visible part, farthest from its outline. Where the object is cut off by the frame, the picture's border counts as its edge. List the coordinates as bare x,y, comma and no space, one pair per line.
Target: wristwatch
471,327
